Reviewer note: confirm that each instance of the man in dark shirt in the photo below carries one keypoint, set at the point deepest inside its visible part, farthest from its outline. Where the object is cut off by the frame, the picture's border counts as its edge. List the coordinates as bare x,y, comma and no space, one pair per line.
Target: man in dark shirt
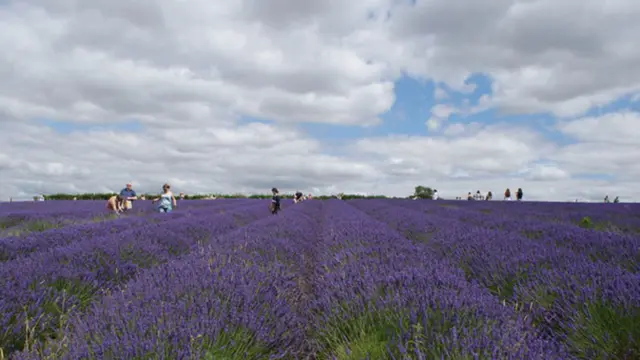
128,194
275,201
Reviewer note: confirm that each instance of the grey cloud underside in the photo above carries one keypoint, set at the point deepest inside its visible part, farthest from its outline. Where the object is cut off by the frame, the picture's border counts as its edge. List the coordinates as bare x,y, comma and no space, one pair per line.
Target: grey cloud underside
187,71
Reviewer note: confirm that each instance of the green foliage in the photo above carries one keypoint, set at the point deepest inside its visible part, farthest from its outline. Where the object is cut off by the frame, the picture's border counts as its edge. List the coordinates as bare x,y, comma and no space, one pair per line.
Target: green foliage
586,223
373,334
605,331
423,192
237,343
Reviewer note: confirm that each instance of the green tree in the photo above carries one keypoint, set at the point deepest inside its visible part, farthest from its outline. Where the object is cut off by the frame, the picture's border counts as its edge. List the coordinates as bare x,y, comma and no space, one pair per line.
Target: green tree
423,192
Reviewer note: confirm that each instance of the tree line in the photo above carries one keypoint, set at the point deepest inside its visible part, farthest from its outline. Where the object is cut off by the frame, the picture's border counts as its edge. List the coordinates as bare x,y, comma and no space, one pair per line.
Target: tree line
421,192
105,196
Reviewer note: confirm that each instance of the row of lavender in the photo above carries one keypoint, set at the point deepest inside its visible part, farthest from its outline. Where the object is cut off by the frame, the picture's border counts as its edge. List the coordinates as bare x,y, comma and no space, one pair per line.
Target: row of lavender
580,286
321,280
21,218
615,248
618,217
15,246
46,279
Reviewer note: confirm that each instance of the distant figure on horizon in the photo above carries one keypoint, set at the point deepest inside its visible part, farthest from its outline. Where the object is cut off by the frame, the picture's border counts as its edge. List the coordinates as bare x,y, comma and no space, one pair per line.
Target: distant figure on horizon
507,194
606,199
519,194
435,196
166,199
275,201
477,195
616,200
116,203
309,197
489,196
297,197
181,196
469,197
129,194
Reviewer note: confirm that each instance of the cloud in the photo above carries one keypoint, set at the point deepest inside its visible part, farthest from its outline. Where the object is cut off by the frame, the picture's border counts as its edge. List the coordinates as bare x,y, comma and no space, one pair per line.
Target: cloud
545,172
439,114
615,128
538,61
220,91
250,158
110,62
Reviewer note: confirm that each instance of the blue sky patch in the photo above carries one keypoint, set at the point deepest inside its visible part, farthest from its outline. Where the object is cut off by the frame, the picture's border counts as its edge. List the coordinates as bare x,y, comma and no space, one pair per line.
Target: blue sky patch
67,127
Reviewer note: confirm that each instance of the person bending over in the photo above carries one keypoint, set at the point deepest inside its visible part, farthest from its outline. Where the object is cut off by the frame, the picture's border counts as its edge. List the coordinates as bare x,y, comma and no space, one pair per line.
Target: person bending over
166,201
116,203
298,197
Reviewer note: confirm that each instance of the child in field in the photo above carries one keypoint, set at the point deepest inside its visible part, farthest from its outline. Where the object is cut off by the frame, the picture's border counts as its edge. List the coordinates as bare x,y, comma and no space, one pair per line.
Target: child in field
167,200
275,201
116,203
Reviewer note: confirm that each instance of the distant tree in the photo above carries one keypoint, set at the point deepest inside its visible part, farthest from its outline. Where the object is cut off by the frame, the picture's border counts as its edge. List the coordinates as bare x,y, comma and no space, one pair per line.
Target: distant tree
423,192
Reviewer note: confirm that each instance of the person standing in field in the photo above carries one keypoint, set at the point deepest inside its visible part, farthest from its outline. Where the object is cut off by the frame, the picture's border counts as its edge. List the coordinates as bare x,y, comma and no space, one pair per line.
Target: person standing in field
489,196
298,197
166,199
519,194
275,201
507,194
129,195
116,203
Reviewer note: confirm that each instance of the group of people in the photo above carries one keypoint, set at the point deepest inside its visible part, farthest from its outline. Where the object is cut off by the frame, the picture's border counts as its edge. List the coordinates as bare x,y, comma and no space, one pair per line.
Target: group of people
507,195
615,201
122,202
275,205
166,201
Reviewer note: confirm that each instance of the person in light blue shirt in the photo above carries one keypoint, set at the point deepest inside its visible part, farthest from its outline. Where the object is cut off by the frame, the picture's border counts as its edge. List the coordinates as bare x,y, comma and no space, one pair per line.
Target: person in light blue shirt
166,201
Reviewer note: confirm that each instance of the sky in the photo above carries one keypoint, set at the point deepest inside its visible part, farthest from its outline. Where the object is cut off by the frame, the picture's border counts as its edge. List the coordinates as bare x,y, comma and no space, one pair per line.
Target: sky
367,97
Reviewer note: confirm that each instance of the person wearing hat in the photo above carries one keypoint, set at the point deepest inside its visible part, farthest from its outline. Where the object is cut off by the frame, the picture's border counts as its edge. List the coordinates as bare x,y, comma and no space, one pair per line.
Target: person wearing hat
128,194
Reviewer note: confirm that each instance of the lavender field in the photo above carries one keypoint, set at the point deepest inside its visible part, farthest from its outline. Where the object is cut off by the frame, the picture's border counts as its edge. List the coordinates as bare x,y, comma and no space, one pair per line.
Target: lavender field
360,279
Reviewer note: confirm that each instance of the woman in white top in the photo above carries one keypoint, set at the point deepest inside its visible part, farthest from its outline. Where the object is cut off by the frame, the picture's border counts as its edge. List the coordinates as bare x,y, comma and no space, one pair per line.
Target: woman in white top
167,200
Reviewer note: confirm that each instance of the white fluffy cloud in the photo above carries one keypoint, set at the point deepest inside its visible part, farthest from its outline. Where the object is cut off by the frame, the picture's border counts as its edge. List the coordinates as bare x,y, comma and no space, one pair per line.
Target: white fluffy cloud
194,73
